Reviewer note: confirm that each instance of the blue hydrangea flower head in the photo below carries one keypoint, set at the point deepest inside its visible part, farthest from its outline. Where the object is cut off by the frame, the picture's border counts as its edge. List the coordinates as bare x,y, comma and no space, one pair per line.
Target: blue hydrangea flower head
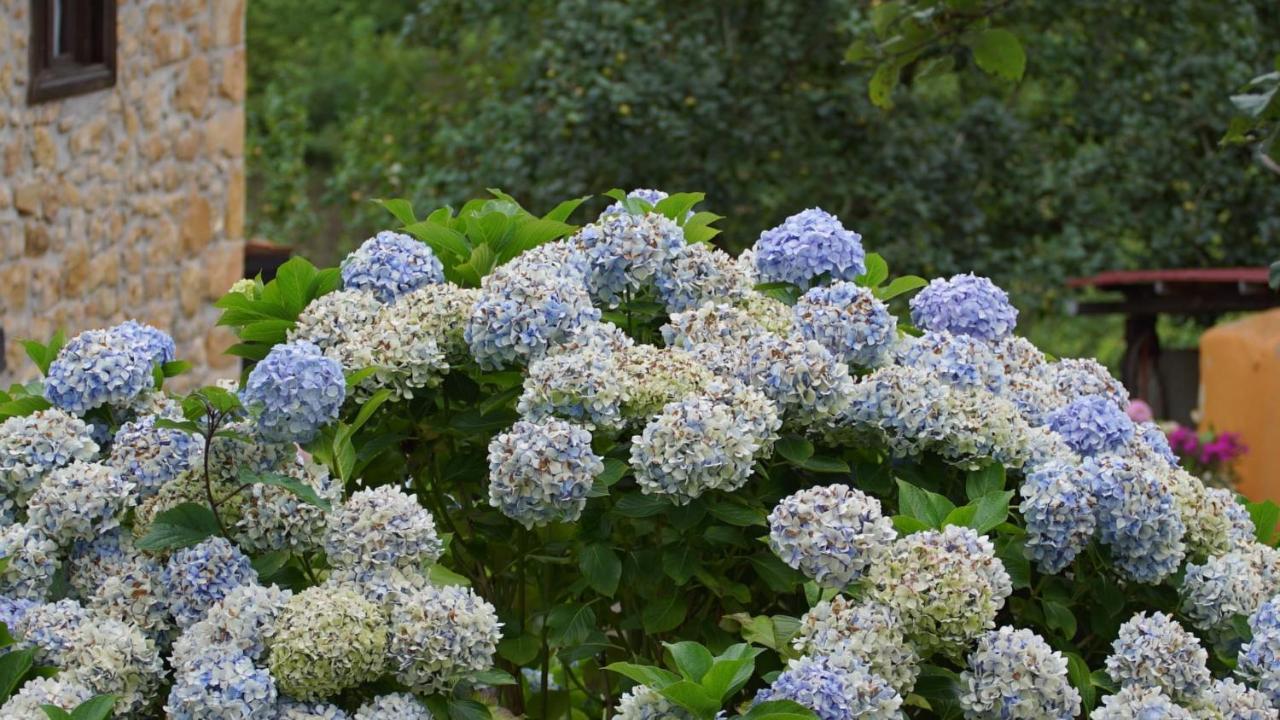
1058,506
1259,661
295,390
700,444
958,360
541,472
628,252
391,264
701,274
525,309
831,533
51,628
848,321
651,196
13,609
1139,519
1016,674
100,367
1155,439
381,527
965,305
150,456
1092,425
1153,650
199,576
807,245
152,342
834,691
220,687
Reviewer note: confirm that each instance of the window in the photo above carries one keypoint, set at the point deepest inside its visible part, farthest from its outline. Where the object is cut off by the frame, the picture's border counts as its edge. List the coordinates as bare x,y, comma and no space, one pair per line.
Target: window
73,47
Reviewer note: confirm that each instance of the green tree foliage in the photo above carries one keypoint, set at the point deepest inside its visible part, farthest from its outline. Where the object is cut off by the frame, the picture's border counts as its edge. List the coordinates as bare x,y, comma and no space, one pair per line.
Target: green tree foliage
1106,153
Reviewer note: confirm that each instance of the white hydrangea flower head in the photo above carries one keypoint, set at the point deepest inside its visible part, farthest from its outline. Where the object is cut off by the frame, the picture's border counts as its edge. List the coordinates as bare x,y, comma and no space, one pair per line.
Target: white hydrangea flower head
437,311
1227,699
25,704
384,585
601,336
242,623
33,445
118,581
867,632
1074,378
807,382
1153,650
393,706
652,377
756,414
115,657
404,356
1020,356
274,518
327,640
79,501
248,450
581,386
644,703
714,323
694,446
1222,587
1212,516
830,533
381,526
945,585
441,635
541,472
903,406
330,321
1140,703
978,425
32,561
293,710
768,312
1015,675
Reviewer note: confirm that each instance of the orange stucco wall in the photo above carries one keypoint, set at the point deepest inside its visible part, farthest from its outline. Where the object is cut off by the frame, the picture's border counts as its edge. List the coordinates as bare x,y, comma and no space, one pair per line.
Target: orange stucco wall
1240,392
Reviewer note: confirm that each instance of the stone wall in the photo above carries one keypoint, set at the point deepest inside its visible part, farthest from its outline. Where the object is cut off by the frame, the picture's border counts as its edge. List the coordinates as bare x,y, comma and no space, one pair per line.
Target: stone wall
126,202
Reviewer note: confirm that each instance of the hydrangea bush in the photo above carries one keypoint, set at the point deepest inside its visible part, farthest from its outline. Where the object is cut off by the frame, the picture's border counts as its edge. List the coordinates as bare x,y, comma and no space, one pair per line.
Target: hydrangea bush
499,464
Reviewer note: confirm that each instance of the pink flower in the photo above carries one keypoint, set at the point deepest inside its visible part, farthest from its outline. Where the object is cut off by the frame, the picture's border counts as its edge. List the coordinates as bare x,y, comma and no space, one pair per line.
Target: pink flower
1184,441
1222,449
1139,411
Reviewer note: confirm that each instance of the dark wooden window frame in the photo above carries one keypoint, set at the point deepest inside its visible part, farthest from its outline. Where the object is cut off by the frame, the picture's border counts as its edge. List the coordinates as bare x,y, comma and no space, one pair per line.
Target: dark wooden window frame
88,64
